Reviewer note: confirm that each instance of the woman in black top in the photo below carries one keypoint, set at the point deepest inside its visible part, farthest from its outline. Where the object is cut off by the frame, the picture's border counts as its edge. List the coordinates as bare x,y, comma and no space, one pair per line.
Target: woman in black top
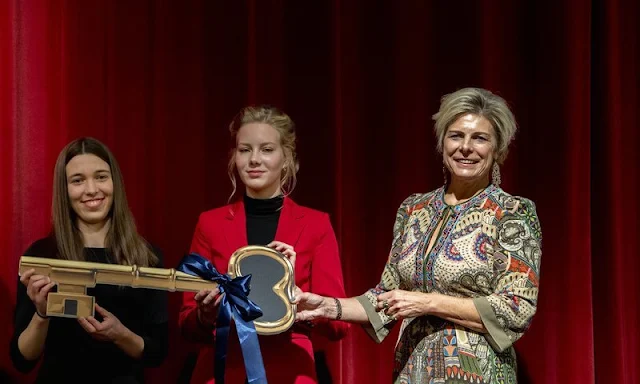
91,222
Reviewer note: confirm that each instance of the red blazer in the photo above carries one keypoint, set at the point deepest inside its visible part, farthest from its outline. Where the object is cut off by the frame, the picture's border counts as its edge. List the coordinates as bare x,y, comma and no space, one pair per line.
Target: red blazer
288,357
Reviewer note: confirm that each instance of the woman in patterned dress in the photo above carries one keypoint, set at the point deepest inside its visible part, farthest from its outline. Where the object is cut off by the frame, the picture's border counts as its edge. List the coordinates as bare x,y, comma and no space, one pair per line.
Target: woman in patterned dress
462,274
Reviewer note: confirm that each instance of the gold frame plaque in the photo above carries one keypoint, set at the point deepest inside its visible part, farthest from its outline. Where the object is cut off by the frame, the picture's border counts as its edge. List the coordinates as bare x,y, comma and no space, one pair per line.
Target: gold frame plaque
284,288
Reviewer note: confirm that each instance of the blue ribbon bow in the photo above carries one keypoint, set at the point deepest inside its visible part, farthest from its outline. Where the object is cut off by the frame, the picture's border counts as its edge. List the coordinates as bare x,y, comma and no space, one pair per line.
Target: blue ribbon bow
235,305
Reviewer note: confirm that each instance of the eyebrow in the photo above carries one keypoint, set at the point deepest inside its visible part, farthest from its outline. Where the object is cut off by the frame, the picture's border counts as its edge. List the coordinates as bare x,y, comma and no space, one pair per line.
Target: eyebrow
464,132
81,174
265,143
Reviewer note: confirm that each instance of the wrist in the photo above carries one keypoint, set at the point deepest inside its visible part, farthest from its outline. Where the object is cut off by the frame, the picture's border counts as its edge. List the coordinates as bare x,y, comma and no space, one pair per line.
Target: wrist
332,308
122,335
129,342
328,308
41,320
431,303
204,321
338,308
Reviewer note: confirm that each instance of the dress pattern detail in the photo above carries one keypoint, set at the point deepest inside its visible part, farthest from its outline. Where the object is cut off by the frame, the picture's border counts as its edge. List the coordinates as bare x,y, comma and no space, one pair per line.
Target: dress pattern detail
488,249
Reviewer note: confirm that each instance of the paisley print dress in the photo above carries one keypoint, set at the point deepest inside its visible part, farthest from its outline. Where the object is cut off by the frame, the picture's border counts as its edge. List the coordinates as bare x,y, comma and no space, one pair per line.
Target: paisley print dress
488,249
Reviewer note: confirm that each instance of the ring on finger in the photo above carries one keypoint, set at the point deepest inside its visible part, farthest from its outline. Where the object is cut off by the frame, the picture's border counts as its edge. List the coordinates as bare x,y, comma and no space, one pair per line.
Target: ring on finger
385,304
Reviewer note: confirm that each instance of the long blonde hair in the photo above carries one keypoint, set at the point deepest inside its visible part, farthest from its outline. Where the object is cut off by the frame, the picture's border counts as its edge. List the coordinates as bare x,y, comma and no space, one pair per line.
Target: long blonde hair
122,240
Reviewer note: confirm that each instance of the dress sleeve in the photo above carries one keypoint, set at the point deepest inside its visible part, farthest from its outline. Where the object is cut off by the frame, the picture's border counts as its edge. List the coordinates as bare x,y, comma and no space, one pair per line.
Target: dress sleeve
326,277
156,323
191,328
25,309
379,323
508,311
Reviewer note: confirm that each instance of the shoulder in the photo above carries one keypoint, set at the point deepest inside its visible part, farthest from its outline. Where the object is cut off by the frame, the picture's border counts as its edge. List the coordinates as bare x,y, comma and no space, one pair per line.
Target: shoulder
44,247
414,203
516,205
216,214
308,213
515,209
313,219
157,251
316,223
419,200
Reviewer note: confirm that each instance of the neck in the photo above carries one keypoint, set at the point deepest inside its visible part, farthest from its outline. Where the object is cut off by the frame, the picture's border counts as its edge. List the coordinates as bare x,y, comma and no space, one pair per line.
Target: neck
265,193
94,235
460,191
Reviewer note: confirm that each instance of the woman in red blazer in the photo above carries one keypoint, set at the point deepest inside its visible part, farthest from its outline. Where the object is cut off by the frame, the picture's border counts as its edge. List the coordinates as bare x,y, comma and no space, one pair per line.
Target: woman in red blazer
264,159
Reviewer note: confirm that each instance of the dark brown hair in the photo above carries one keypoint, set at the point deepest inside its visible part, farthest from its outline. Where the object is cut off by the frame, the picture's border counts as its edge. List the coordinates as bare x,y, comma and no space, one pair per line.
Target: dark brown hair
124,243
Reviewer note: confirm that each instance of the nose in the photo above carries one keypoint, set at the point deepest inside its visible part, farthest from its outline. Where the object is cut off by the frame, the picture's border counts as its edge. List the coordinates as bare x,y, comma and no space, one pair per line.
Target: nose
466,147
90,187
255,157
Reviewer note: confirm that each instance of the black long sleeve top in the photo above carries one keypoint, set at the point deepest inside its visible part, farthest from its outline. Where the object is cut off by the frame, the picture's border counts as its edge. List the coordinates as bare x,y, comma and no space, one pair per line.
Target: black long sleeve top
71,355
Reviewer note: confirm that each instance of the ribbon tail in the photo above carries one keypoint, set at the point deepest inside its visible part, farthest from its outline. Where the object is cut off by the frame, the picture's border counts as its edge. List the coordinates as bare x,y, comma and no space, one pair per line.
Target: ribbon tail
250,351
223,326
235,306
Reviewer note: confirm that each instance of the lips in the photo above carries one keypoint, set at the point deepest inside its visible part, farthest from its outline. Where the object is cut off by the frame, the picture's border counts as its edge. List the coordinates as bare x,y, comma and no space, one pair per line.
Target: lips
93,203
255,173
466,161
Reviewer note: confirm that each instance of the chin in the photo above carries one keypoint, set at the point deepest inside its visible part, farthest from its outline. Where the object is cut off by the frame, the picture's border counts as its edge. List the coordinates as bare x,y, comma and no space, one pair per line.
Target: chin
93,219
252,182
467,176
258,187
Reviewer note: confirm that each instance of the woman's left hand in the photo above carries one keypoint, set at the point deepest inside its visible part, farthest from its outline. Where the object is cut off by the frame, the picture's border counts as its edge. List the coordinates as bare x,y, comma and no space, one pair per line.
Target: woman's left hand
285,249
399,304
110,329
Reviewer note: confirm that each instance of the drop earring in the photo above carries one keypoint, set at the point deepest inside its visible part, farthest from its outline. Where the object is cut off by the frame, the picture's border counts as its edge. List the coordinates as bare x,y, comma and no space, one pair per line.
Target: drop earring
495,175
444,174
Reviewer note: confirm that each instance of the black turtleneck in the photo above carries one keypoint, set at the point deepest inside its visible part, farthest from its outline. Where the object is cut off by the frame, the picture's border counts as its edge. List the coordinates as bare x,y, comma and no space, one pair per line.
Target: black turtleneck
262,219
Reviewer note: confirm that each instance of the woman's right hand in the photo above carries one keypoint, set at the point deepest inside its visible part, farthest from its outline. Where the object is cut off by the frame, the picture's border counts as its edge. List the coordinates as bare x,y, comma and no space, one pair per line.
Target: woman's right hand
38,287
208,301
310,306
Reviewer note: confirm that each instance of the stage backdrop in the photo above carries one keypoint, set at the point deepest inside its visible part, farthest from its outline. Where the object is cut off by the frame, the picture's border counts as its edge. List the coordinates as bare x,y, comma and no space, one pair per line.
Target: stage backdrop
158,82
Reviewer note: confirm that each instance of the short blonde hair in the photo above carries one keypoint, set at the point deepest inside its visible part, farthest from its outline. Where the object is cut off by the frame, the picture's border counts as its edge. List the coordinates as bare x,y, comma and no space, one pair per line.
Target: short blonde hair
479,102
282,123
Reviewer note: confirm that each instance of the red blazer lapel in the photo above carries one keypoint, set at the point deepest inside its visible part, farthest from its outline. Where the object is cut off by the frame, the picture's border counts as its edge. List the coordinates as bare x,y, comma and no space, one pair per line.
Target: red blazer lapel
235,229
290,226
290,223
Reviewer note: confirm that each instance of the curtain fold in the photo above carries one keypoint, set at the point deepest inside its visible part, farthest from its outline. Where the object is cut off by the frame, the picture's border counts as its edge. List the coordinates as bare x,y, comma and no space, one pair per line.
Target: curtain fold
159,81
616,245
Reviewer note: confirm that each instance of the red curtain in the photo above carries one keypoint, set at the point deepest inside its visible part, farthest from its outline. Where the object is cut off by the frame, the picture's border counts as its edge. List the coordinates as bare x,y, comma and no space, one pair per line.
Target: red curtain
615,182
158,82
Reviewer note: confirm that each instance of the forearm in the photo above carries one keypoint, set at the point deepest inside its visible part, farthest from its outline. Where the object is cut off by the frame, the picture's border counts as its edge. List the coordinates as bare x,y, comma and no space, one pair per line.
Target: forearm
352,310
130,343
457,310
31,340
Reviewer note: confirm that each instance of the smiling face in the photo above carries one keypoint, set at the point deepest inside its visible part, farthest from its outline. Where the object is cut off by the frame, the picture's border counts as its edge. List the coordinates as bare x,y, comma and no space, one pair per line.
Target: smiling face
469,149
259,160
90,188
